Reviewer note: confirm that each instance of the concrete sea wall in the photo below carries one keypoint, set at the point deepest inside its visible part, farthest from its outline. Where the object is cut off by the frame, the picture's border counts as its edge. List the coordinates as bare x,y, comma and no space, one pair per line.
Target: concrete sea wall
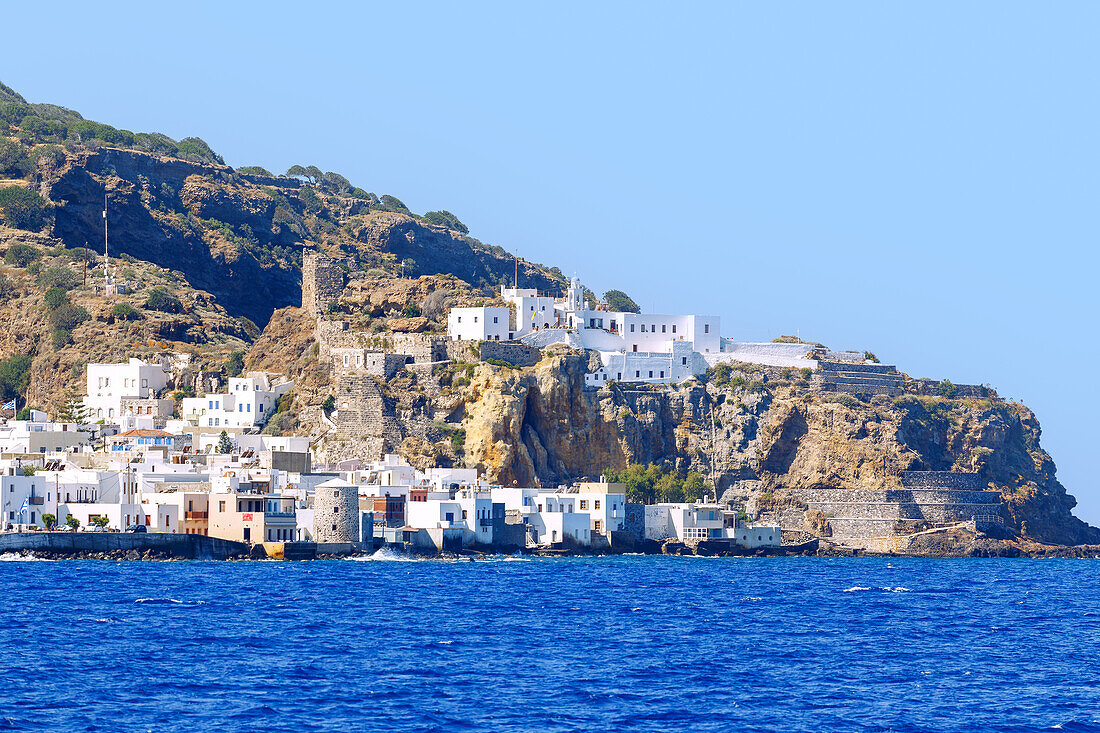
191,546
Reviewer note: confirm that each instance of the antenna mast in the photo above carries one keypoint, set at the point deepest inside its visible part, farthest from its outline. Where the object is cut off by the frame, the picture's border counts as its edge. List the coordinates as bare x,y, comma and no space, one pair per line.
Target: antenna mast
106,261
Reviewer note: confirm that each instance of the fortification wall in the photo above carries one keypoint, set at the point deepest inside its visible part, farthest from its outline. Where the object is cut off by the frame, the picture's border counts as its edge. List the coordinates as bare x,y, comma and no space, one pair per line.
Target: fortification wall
513,352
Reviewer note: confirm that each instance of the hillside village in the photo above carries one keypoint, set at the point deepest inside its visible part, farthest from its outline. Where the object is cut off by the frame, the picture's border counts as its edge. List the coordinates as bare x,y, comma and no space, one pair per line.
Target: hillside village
324,329
138,456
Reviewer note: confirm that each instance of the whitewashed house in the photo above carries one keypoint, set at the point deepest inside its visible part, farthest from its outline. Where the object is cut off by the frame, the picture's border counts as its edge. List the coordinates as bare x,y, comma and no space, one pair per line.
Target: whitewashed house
246,405
480,324
131,388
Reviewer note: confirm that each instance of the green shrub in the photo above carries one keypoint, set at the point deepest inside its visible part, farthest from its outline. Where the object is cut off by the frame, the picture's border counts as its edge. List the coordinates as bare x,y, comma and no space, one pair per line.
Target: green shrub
68,317
159,299
58,277
234,365
21,254
329,404
196,150
947,389
55,298
23,208
411,310
255,170
841,399
806,372
14,160
61,338
15,375
501,363
125,312
458,441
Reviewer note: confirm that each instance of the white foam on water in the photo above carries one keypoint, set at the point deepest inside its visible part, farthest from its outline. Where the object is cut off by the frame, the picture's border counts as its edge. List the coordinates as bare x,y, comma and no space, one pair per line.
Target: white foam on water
16,557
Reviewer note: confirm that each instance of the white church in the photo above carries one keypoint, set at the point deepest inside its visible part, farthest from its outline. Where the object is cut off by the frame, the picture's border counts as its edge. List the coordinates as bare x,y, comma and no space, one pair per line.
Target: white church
633,347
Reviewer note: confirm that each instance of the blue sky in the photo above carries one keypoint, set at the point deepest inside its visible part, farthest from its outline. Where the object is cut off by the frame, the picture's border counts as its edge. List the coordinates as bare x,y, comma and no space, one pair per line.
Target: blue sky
919,180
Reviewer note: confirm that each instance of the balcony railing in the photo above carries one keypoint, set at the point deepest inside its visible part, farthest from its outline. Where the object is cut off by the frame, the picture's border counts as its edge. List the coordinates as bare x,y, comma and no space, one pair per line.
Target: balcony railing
279,515
195,515
36,500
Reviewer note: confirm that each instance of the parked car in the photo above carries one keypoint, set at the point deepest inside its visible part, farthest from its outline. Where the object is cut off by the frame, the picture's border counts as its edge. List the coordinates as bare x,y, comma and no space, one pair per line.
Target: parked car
136,528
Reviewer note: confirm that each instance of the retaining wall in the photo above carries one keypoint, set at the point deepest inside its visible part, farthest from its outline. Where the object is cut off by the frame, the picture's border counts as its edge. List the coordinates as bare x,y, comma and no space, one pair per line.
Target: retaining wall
513,352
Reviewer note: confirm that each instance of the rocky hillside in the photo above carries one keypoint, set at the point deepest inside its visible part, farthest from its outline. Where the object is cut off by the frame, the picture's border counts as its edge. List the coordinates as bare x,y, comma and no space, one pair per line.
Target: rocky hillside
237,234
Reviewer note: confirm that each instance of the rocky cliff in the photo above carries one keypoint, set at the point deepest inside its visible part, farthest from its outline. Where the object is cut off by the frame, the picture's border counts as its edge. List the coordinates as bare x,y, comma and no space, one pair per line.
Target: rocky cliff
762,435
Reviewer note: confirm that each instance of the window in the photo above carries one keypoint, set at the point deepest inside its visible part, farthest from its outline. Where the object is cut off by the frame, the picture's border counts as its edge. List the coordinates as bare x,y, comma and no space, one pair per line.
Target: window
674,328
598,526
597,503
662,375
663,327
643,328
653,327
460,319
634,347
637,374
620,376
450,516
706,328
496,320
336,510
651,374
684,360
261,408
632,328
584,504
475,319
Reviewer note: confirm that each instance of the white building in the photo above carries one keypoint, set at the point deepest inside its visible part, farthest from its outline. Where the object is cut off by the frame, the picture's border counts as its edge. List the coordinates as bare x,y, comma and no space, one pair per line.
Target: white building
133,387
480,324
633,347
689,522
246,405
38,435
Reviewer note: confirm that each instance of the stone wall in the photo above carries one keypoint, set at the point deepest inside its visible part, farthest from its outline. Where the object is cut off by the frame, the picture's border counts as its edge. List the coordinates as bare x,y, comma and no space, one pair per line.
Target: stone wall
861,379
513,352
930,388
322,282
367,361
422,347
942,480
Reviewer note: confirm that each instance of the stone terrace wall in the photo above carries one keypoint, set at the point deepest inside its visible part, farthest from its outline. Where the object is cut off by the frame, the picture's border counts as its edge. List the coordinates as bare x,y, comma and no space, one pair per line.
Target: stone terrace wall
513,352
930,388
422,347
942,480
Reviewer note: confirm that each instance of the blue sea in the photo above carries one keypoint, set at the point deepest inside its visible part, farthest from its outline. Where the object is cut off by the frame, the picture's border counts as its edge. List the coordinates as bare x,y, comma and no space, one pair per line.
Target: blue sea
514,643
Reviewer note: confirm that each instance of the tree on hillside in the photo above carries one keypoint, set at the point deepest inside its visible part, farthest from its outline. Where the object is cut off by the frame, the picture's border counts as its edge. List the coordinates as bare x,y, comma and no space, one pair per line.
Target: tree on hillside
392,203
234,365
23,208
446,219
15,375
14,160
617,300
254,170
336,183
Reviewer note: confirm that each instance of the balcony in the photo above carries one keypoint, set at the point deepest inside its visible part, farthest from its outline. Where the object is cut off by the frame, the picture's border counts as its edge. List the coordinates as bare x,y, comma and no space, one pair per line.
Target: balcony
195,515
36,501
483,522
279,515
